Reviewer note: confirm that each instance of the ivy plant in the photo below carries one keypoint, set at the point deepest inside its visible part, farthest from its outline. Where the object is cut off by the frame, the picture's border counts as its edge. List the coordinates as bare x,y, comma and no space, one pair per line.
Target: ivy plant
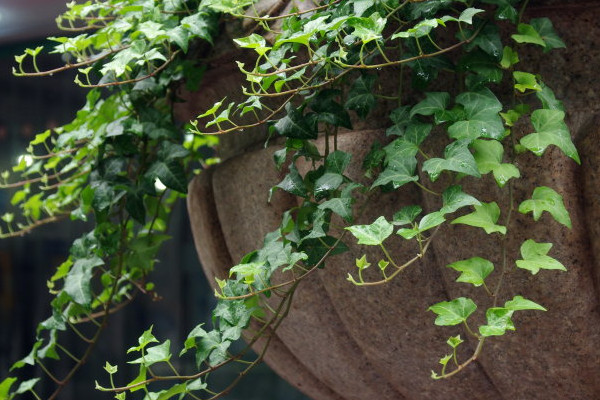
124,160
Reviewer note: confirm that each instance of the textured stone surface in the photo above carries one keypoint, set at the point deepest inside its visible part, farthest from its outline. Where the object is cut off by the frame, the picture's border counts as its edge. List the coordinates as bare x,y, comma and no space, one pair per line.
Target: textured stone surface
343,342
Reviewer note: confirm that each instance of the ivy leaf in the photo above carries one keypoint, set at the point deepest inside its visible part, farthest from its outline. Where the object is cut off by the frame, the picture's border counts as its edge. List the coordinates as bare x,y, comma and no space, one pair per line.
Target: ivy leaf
526,81
458,158
434,102
373,234
340,206
144,340
549,101
294,125
535,257
550,129
488,40
337,162
519,303
77,282
170,173
155,354
406,215
398,173
498,322
5,387
545,29
482,118
247,271
368,29
505,10
528,34
292,183
546,199
453,312
316,249
454,198
326,183
509,57
360,96
26,386
488,156
485,216
454,341
467,15
429,221
473,270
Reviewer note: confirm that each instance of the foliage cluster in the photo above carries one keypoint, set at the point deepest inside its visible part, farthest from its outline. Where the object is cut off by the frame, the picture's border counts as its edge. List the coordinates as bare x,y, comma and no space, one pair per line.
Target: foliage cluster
124,160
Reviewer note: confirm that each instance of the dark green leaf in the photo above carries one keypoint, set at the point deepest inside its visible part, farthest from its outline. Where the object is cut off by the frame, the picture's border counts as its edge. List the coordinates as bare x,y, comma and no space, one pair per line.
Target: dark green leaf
295,125
340,206
170,173
360,96
481,114
337,162
317,248
434,102
77,282
327,183
293,183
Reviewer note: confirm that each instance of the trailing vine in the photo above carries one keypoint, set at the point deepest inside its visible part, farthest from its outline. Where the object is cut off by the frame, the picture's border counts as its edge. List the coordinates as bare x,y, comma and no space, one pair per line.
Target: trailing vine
125,160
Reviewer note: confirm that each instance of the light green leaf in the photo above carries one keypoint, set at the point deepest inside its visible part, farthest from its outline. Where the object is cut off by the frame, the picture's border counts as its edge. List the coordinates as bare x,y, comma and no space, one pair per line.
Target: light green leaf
420,29
526,81
550,129
453,312
247,271
482,116
528,34
429,221
549,101
535,257
485,216
467,15
5,387
368,29
111,369
509,57
374,234
406,215
546,199
362,263
454,341
474,270
498,322
458,158
519,303
155,354
454,198
26,386
145,339
488,155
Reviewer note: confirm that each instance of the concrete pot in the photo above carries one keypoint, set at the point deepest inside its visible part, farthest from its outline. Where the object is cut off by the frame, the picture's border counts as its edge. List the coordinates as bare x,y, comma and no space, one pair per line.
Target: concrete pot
343,342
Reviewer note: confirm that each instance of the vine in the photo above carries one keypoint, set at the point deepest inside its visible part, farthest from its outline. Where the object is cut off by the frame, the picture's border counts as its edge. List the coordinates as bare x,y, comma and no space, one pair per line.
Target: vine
125,160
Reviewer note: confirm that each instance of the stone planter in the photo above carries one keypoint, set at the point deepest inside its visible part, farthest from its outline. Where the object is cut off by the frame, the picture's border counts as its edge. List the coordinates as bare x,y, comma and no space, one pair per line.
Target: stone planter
343,342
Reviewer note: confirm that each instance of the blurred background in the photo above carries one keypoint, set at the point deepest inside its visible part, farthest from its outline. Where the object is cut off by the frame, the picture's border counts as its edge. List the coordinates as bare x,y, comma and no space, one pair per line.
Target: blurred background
29,106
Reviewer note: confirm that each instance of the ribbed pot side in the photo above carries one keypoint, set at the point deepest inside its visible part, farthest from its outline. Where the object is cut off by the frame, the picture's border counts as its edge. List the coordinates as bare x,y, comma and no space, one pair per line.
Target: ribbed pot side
344,342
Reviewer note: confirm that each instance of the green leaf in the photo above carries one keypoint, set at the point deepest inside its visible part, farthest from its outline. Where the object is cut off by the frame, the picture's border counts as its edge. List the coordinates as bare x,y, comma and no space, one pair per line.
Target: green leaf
327,183
526,81
170,173
453,312
498,322
406,215
550,129
528,34
434,102
254,41
172,391
467,15
399,173
454,198
488,40
5,387
519,303
362,263
505,10
429,221
454,341
485,216
340,206
549,101
293,183
458,158
473,270
111,369
155,354
337,162
373,234
509,57
145,339
482,116
535,257
26,386
545,29
295,125
368,29
546,199
488,155
247,271
360,97
77,282
317,248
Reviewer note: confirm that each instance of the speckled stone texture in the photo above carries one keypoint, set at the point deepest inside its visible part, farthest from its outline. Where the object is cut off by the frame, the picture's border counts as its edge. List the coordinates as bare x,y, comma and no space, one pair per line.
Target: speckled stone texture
341,342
